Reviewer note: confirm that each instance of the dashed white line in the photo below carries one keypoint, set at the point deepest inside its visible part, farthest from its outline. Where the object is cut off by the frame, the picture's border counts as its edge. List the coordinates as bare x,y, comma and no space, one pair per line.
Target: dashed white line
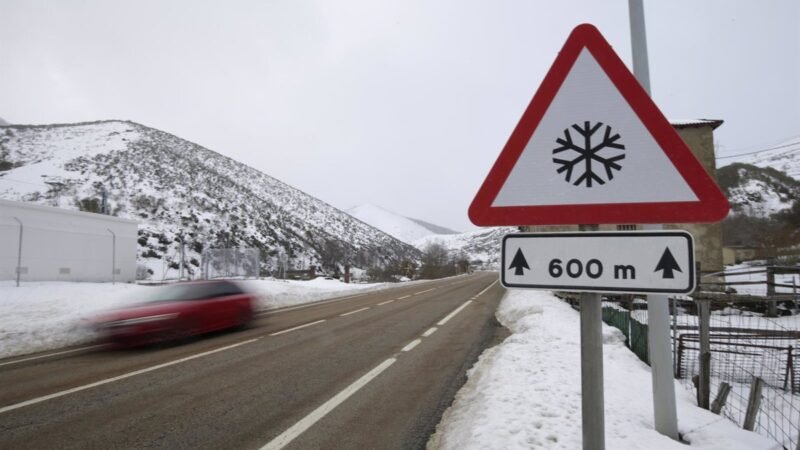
430,331
297,327
32,358
306,422
411,345
422,292
385,303
456,311
353,312
401,298
120,377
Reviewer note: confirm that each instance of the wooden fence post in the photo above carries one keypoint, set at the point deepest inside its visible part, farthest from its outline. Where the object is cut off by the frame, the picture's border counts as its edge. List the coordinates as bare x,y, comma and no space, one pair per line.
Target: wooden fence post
772,305
722,397
753,404
704,382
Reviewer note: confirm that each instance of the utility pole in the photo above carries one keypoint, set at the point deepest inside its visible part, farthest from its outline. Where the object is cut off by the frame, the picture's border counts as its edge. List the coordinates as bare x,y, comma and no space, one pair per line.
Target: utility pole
19,250
664,409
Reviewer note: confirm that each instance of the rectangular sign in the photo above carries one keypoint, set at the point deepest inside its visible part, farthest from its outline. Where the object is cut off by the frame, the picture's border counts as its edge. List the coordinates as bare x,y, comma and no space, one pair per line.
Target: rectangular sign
622,262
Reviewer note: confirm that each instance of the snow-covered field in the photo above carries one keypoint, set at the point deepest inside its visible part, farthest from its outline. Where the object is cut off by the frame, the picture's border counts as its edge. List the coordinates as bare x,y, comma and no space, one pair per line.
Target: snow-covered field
526,392
47,315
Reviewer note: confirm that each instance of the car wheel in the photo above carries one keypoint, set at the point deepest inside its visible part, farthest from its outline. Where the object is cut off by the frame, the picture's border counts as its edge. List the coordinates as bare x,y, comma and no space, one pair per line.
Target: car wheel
245,317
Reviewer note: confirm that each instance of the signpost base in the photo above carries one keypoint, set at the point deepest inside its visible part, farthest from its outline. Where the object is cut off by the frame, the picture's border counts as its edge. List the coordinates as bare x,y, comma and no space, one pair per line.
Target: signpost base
592,402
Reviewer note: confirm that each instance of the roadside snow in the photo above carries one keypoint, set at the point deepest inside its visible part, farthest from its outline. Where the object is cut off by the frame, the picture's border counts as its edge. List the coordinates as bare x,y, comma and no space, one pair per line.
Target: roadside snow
41,316
526,392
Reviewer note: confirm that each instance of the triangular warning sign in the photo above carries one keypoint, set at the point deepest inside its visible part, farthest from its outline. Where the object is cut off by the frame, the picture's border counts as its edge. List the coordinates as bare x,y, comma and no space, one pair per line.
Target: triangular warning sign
593,148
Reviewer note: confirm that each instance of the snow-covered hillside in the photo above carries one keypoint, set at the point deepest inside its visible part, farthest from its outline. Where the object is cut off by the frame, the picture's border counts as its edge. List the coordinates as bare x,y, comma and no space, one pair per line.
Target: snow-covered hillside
479,245
406,229
758,191
174,186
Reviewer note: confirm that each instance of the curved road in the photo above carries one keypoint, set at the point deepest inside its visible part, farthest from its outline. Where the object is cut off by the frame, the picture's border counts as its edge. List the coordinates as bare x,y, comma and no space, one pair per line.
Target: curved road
375,370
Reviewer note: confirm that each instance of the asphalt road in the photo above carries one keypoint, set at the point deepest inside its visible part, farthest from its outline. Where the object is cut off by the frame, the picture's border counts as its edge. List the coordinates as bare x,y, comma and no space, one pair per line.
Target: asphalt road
371,371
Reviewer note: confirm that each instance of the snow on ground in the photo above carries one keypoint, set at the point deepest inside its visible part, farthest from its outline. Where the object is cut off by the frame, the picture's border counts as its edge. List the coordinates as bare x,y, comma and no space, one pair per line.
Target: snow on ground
41,316
526,392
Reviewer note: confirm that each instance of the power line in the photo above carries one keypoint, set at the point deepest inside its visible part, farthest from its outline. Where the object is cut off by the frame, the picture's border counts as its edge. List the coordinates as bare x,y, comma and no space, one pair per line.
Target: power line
797,143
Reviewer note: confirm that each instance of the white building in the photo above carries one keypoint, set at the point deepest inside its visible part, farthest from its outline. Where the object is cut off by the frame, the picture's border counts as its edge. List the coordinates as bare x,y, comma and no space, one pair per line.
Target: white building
63,245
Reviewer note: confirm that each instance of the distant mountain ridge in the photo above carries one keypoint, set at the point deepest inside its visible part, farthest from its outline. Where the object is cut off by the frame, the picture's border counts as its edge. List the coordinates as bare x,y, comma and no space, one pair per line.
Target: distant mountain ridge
177,187
403,228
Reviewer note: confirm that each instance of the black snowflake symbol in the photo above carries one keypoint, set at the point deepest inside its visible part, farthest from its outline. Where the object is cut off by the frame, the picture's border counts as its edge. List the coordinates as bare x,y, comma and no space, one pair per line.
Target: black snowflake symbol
588,153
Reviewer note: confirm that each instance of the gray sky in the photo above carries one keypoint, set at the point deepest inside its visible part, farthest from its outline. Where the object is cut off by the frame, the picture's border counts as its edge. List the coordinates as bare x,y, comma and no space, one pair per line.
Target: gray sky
405,104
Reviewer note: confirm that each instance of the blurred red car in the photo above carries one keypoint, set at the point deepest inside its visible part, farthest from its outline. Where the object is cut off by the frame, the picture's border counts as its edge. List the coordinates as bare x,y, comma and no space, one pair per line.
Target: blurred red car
178,311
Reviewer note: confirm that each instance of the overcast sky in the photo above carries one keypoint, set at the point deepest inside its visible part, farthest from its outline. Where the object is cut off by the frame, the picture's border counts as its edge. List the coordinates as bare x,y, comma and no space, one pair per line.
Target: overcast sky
404,104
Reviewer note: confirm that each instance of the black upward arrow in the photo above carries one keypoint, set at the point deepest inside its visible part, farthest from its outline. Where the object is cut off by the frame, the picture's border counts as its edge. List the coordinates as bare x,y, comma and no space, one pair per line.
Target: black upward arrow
668,264
519,263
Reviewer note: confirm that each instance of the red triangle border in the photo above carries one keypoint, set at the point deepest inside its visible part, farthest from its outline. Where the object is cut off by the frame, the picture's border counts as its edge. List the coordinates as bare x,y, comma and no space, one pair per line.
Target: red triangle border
711,207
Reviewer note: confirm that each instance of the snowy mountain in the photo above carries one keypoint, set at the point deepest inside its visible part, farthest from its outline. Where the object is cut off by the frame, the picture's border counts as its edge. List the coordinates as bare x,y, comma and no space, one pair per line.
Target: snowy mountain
758,191
175,187
3,122
479,245
403,228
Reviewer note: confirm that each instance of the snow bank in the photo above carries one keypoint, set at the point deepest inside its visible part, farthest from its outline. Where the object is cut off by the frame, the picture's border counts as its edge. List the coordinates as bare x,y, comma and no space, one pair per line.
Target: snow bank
526,392
41,316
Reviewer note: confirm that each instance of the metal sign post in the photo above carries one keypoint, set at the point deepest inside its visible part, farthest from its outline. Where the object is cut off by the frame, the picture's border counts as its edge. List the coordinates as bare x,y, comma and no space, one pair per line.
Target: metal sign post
665,413
592,401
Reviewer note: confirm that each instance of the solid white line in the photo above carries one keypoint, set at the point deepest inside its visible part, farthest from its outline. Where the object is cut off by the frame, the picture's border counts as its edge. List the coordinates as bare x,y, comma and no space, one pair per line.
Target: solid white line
306,422
411,345
430,331
297,327
456,311
422,292
487,288
400,298
353,312
120,377
51,354
385,303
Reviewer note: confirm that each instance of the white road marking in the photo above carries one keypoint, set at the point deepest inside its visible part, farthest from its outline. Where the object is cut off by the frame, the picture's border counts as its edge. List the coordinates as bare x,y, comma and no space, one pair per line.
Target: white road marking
401,298
487,288
430,331
411,345
422,292
353,312
120,377
297,327
309,305
456,311
306,422
385,303
51,354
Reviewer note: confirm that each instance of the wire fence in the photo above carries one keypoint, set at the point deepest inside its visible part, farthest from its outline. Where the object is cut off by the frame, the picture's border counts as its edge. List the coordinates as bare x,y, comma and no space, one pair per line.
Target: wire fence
752,342
231,263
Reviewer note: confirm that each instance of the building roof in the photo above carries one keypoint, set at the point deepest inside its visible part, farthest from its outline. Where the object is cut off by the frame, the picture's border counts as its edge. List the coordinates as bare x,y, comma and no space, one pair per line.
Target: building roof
696,123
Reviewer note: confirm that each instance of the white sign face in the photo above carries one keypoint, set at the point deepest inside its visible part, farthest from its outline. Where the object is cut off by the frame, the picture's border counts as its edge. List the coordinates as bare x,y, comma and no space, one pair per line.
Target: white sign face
591,148
622,262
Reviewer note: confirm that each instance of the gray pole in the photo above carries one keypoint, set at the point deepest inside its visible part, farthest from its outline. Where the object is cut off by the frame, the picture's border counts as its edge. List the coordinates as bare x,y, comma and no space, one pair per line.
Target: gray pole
592,406
113,256
664,410
19,250
592,401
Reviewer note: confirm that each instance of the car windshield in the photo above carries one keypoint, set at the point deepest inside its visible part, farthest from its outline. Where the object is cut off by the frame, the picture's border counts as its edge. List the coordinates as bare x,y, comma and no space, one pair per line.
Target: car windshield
177,292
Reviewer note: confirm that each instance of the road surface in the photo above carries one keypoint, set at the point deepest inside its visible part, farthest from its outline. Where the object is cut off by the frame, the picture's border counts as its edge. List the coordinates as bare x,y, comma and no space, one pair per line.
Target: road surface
374,370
